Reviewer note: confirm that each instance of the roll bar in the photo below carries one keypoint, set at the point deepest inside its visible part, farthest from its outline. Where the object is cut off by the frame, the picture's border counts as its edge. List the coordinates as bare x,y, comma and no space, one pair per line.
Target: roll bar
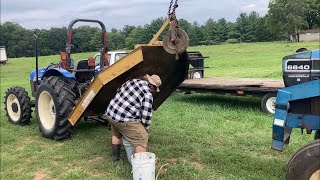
102,47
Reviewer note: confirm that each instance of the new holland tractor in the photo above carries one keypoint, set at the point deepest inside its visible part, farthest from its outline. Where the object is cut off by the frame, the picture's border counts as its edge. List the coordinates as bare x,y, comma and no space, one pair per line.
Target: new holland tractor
55,89
298,106
64,93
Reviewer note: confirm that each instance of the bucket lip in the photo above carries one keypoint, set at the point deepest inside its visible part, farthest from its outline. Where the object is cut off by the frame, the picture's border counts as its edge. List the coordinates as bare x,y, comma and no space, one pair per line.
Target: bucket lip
151,156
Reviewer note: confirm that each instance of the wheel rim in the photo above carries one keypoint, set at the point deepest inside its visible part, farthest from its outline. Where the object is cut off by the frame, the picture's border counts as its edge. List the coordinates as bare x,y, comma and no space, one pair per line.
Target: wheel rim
13,107
315,175
196,75
271,104
47,110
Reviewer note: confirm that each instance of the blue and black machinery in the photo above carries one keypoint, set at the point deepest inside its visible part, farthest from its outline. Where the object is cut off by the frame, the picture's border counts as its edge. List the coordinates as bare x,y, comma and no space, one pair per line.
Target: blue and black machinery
298,106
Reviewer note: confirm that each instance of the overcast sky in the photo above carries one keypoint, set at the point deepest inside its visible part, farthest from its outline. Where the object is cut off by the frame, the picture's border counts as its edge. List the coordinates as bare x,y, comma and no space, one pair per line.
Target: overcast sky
117,13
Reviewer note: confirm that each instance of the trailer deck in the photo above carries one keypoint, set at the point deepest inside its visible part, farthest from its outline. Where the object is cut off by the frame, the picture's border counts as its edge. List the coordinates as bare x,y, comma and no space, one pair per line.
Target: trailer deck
256,87
237,86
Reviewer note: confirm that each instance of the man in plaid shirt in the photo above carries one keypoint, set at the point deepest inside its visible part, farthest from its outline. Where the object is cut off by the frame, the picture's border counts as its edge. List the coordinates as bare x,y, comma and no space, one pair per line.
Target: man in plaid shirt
130,112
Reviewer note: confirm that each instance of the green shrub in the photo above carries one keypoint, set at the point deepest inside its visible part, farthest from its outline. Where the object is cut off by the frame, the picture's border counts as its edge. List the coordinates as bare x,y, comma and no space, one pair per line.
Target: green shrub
232,41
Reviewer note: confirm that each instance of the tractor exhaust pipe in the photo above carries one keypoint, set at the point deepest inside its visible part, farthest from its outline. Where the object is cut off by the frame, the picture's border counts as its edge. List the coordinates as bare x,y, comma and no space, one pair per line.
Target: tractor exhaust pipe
36,51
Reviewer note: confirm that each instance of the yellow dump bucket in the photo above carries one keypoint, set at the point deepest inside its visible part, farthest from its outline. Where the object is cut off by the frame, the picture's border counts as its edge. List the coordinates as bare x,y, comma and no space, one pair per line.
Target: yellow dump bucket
149,59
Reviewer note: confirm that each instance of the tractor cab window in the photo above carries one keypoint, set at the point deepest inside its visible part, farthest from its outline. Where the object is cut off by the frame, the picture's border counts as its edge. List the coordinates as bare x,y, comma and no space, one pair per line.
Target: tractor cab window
119,56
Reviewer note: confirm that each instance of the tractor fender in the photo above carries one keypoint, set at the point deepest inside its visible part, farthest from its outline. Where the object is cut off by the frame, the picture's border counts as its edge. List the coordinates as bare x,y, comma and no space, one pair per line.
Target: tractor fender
58,72
42,72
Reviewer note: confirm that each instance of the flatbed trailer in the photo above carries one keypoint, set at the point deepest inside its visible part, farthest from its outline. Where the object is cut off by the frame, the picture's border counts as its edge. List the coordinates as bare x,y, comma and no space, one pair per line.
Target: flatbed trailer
254,87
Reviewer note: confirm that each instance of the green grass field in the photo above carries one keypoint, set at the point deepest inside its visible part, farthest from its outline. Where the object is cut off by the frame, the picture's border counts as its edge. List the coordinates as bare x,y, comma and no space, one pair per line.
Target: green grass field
200,136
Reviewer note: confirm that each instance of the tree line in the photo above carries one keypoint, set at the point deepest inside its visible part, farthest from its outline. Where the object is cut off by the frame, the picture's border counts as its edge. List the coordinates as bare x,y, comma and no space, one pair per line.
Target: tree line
284,18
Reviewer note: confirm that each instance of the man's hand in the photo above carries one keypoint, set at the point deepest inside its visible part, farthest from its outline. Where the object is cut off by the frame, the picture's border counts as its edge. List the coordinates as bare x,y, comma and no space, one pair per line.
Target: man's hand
147,128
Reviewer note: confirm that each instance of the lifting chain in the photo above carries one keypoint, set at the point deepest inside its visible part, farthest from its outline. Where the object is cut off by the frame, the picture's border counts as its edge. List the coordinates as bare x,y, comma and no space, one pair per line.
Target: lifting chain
174,8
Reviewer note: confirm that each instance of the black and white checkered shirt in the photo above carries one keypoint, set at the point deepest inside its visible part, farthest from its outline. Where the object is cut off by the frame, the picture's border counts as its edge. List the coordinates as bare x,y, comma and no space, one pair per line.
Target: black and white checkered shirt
133,101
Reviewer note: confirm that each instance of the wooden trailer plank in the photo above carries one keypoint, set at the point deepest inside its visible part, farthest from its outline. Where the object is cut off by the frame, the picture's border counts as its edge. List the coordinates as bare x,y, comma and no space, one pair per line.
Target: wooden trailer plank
245,84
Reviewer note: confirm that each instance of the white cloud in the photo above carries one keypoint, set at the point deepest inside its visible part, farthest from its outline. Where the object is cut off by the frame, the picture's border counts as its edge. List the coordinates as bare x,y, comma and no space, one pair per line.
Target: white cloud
117,13
260,6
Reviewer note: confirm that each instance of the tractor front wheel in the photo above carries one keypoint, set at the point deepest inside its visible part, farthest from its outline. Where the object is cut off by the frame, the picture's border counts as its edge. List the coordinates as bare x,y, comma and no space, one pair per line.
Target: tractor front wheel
18,105
54,102
305,163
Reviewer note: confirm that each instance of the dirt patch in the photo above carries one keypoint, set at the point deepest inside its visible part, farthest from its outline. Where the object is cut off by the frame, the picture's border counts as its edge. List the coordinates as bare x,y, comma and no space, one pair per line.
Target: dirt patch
21,148
96,159
29,159
40,174
100,172
197,165
59,144
173,160
27,140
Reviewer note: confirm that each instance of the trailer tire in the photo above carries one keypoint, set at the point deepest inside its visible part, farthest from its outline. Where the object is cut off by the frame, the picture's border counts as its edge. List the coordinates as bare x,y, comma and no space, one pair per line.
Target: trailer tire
268,103
18,106
196,75
305,164
54,102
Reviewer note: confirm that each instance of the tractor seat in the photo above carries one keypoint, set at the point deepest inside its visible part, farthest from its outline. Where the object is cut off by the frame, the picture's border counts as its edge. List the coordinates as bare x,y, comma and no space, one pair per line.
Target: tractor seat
82,72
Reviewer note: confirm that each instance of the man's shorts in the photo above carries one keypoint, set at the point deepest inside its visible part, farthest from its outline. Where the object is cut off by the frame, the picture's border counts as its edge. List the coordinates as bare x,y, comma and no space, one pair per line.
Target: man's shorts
132,131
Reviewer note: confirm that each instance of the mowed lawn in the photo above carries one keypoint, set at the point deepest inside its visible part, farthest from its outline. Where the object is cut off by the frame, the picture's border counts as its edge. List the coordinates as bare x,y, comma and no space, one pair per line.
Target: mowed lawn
197,136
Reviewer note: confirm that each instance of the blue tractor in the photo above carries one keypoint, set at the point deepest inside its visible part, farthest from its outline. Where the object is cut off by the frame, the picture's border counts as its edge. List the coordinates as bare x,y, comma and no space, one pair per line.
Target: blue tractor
298,106
55,89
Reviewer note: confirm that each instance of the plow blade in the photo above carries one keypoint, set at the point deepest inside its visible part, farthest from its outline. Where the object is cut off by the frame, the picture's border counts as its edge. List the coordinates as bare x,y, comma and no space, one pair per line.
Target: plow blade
143,60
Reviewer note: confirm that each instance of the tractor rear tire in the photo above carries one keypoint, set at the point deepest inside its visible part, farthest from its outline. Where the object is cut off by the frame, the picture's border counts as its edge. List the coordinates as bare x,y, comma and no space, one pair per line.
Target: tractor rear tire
54,102
18,106
305,163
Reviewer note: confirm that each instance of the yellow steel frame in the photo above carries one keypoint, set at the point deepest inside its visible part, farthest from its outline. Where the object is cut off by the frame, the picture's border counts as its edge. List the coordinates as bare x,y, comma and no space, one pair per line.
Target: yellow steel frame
126,63
123,65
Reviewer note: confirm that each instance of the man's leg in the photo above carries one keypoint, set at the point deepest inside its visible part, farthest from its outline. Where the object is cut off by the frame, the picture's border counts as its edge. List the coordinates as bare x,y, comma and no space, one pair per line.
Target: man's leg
139,149
116,147
136,135
116,141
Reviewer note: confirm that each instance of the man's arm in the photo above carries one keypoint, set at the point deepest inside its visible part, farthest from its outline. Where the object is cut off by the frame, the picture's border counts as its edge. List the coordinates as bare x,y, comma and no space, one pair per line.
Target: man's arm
146,110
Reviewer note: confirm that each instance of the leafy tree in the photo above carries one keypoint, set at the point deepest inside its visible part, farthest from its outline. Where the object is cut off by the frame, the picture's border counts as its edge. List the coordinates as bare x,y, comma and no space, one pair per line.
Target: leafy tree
185,25
222,30
209,30
196,34
313,14
115,40
56,39
288,15
243,27
265,34
18,40
137,36
153,28
127,29
233,32
82,36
